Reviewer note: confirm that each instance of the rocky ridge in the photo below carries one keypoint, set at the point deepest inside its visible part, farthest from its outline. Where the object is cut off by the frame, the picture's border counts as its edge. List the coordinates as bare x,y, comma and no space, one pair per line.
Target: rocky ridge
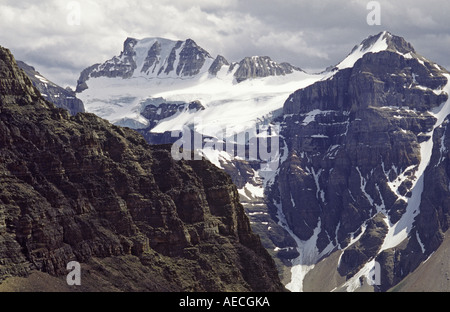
162,58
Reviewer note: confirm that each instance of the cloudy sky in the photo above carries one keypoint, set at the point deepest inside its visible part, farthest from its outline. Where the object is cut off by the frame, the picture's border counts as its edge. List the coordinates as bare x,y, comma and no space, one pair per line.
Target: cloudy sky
60,38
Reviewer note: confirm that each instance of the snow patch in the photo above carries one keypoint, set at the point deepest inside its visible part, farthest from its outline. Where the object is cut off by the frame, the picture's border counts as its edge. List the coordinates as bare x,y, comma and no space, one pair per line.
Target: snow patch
400,230
251,191
309,255
360,51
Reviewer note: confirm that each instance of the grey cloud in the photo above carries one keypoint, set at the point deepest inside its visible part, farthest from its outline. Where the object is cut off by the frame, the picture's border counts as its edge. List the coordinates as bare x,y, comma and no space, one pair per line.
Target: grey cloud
309,34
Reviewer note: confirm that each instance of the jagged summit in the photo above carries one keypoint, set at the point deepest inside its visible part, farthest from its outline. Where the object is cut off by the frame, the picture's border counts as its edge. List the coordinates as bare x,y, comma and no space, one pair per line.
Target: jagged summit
393,43
121,87
362,140
151,58
261,66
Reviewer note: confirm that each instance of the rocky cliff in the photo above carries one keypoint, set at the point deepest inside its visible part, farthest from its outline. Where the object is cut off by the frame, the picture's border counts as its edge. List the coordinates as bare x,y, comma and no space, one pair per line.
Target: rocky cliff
79,188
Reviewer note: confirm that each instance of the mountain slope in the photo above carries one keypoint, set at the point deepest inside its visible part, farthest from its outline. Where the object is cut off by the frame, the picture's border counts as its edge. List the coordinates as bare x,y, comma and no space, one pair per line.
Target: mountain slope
360,144
79,188
432,275
64,98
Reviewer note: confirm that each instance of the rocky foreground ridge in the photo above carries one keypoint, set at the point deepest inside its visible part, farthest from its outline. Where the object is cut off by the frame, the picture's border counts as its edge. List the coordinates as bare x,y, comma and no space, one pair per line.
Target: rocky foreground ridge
79,188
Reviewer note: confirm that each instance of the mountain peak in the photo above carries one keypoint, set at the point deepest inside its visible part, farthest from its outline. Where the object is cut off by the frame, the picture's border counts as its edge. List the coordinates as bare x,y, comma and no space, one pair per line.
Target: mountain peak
151,57
384,41
262,66
394,43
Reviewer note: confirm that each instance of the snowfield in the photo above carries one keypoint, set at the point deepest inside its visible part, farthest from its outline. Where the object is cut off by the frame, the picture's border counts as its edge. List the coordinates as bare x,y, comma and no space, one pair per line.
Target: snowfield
231,105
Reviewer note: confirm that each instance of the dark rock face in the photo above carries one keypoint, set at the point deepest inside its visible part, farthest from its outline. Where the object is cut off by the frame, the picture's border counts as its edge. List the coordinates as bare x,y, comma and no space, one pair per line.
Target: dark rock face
261,66
119,66
349,138
192,59
433,220
366,248
79,188
381,79
64,98
155,113
152,58
217,65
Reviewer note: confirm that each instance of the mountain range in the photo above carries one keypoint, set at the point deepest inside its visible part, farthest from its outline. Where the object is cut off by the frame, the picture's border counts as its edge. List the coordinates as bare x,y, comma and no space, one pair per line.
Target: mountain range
354,197
360,144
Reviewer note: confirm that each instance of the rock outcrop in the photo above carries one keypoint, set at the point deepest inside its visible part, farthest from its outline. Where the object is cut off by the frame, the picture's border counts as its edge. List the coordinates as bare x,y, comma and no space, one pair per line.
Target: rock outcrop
78,188
260,66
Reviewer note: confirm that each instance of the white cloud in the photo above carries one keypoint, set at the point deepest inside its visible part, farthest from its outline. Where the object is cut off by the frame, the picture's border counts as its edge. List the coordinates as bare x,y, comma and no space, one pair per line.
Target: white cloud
292,41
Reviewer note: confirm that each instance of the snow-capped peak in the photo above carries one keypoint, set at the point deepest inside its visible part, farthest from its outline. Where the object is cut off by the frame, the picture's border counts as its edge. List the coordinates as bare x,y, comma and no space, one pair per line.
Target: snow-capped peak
373,44
383,41
151,58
